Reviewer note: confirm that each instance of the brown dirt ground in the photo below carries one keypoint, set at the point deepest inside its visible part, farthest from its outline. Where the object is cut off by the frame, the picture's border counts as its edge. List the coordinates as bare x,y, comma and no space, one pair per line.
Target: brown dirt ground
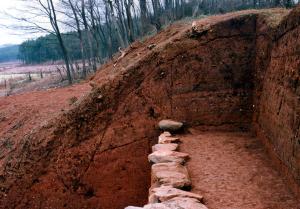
38,106
232,171
20,114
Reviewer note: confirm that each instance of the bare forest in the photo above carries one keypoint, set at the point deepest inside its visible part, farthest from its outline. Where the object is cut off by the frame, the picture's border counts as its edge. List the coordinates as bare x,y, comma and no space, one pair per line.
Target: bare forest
92,31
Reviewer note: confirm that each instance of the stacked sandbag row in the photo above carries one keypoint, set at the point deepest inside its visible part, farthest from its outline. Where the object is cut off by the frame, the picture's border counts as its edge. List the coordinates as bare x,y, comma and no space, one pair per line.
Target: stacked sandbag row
170,180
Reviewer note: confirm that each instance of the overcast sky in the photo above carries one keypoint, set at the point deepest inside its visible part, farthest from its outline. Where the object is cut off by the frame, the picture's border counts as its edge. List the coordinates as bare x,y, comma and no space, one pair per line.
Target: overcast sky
9,36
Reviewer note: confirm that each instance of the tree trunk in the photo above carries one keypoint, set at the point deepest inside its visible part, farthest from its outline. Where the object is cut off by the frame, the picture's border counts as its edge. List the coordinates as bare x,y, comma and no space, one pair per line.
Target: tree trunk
128,4
288,3
108,25
115,24
144,21
156,14
93,31
88,34
53,21
277,3
84,72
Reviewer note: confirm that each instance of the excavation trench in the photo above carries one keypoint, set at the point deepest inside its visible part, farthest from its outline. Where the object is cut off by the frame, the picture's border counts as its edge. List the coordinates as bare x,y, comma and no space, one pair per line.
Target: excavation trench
225,74
233,170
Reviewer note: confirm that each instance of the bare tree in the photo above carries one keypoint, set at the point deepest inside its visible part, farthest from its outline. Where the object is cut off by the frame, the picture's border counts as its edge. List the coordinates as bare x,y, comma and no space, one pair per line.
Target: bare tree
102,26
114,23
128,4
50,9
73,5
144,19
156,14
29,22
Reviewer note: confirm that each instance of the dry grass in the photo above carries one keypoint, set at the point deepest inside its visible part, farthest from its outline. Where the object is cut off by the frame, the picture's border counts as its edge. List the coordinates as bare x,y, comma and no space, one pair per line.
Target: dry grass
274,16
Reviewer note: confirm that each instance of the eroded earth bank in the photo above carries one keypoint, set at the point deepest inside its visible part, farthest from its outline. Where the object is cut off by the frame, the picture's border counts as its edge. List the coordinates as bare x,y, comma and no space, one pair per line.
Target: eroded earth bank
237,72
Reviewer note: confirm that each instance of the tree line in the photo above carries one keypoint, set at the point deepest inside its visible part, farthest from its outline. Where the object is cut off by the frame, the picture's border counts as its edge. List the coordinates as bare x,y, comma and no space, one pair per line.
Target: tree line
46,49
99,28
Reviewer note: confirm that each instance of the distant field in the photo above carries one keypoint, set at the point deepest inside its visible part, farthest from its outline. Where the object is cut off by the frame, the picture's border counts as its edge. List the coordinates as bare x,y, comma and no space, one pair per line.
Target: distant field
18,67
18,72
15,75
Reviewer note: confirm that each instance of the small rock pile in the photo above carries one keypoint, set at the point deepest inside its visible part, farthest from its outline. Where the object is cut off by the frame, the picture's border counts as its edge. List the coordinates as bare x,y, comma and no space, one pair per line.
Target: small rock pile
169,176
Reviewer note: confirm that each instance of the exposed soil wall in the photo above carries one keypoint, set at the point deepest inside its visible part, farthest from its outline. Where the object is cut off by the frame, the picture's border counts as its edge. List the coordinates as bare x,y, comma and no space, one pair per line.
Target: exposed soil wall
210,81
277,121
95,155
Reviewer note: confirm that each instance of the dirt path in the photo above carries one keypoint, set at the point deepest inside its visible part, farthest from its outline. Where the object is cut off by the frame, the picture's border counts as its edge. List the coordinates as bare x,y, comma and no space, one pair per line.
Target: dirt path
232,171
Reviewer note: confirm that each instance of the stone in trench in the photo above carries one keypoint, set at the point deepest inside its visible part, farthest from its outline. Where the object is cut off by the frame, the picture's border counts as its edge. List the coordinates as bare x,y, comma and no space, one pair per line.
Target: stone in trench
186,203
177,203
151,206
156,206
170,125
166,156
167,133
167,138
168,147
170,174
165,193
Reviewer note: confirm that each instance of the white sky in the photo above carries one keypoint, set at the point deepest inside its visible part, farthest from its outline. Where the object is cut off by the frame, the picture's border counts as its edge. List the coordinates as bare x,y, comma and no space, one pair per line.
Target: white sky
7,36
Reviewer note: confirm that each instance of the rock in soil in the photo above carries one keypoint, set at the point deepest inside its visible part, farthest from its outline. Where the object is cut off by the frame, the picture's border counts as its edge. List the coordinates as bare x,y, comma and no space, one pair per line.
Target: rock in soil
167,138
165,156
165,193
170,125
186,203
178,203
175,203
170,174
167,147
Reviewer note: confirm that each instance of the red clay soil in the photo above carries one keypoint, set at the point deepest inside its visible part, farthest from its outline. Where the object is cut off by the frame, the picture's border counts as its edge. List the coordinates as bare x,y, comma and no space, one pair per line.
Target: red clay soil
232,171
24,113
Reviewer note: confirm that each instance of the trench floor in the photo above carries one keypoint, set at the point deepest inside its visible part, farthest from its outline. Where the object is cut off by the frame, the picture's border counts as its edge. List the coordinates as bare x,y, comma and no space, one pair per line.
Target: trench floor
232,171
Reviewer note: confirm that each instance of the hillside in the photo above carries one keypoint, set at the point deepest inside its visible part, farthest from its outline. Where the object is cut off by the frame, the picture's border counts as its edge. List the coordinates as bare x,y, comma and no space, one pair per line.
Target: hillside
9,53
233,73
